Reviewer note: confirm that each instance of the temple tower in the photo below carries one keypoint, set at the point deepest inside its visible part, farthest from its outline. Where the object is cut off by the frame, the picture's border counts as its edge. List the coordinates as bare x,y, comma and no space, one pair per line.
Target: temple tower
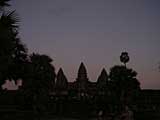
102,82
82,80
61,82
82,73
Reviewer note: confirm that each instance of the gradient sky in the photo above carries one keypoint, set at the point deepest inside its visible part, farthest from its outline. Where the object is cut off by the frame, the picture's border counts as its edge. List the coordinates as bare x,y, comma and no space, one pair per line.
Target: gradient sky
95,32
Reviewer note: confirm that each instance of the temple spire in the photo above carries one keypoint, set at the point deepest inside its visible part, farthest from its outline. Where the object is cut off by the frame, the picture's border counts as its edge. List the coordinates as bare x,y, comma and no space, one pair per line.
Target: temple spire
82,72
61,82
102,79
82,69
82,81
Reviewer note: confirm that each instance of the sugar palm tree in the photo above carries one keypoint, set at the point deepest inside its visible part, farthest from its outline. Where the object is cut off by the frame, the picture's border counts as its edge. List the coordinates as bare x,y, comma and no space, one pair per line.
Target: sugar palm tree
124,58
13,53
4,3
7,44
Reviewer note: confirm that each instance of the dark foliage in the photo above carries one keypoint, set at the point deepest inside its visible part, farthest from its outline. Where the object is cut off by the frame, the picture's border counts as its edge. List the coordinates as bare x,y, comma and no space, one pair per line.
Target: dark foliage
4,3
124,83
13,54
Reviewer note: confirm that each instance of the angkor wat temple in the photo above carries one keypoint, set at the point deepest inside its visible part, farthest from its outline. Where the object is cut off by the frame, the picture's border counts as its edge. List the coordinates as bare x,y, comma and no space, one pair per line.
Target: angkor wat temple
81,87
83,98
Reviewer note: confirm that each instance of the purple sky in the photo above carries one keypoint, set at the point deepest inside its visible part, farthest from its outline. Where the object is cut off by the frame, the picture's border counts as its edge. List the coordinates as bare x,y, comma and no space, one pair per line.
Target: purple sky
95,32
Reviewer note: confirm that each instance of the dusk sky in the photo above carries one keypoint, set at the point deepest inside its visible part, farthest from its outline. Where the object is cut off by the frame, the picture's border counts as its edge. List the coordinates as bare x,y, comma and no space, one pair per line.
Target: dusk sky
94,32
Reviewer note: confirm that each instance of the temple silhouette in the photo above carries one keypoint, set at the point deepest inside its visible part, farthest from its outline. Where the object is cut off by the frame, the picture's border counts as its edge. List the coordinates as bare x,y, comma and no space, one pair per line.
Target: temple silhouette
81,88
81,97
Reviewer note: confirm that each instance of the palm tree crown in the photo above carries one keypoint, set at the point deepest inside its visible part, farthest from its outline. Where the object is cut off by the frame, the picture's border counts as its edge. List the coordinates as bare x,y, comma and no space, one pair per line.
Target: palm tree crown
124,58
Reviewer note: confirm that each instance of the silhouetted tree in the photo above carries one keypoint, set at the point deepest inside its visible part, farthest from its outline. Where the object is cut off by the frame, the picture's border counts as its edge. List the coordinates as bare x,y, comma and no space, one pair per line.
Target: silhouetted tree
40,79
124,82
124,58
13,53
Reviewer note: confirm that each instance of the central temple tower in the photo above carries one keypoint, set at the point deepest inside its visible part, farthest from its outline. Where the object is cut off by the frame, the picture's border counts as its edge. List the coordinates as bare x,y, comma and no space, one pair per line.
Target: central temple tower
82,73
82,80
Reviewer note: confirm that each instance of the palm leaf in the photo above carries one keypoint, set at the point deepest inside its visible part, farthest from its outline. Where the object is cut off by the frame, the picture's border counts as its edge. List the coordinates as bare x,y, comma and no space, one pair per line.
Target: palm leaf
9,20
4,3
